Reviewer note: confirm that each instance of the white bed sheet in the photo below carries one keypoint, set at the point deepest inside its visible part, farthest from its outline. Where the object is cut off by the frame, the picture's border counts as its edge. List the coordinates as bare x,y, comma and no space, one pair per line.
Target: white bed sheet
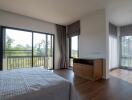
34,84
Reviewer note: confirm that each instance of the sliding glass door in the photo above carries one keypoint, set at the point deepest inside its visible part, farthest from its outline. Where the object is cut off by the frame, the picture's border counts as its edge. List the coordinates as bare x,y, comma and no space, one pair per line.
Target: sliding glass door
126,52
24,49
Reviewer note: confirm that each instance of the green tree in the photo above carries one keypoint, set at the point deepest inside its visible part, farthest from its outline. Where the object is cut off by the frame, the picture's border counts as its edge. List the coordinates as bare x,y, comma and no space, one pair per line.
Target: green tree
9,42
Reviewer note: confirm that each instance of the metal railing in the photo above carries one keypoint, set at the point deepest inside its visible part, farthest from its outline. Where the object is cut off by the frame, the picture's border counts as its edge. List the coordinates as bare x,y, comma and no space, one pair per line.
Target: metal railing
14,62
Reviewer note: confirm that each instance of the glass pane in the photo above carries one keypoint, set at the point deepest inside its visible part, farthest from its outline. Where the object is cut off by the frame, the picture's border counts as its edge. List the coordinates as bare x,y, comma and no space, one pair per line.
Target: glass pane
39,44
74,46
18,40
18,49
50,52
71,62
126,48
39,50
74,49
43,51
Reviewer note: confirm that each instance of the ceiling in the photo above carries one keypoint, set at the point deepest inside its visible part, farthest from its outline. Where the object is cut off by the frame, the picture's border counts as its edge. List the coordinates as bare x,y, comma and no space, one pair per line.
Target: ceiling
65,12
56,11
119,12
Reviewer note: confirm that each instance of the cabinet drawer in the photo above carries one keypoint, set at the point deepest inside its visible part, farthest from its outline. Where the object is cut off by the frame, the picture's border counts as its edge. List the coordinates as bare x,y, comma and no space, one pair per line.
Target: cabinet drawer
90,69
82,70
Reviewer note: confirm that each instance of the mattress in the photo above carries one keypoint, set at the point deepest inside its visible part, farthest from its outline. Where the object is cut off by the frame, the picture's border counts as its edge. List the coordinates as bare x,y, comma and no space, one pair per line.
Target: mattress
34,84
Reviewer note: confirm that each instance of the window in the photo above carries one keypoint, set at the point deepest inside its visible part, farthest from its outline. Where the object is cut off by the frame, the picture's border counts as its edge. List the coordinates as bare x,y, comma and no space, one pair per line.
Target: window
24,49
126,51
73,48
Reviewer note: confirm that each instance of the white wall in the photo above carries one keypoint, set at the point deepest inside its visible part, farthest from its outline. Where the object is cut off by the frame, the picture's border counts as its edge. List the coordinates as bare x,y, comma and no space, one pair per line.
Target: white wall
92,41
23,22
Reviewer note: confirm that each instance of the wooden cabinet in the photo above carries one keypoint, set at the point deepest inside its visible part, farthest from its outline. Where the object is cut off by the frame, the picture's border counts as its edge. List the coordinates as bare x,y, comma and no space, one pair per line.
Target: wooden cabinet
91,69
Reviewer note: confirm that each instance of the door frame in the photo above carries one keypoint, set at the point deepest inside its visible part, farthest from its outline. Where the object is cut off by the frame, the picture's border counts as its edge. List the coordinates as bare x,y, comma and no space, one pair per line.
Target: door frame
2,28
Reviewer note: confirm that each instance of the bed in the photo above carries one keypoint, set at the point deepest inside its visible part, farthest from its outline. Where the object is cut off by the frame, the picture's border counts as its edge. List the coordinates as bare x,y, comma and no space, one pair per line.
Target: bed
34,84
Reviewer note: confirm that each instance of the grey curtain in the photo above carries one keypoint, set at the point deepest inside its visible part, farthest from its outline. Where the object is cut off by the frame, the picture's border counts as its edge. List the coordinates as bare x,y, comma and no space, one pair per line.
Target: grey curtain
126,30
73,29
112,30
61,34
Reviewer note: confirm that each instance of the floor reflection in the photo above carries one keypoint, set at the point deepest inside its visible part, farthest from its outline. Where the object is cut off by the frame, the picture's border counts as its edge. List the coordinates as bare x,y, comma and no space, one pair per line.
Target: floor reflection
122,74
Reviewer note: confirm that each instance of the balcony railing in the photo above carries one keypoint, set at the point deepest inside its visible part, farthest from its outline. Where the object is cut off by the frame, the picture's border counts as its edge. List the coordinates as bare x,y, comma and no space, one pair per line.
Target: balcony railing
14,62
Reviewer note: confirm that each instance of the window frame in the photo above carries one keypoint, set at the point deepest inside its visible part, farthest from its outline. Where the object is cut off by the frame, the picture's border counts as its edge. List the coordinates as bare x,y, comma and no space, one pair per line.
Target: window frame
120,55
70,49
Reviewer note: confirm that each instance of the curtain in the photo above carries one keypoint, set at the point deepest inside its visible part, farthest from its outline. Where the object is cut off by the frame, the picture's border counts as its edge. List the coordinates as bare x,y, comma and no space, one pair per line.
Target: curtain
73,29
126,30
1,48
113,47
61,34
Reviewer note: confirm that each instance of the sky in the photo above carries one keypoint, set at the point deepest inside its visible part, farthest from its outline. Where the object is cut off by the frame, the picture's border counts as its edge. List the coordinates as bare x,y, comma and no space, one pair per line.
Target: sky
19,37
74,43
24,38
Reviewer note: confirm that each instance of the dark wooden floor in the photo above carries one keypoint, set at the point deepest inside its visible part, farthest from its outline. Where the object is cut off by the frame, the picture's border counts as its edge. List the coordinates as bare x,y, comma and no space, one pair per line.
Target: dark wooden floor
111,89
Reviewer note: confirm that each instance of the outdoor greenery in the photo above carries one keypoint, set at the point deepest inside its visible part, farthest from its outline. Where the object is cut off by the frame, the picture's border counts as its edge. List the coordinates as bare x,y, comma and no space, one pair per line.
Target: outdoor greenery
126,49
74,53
20,56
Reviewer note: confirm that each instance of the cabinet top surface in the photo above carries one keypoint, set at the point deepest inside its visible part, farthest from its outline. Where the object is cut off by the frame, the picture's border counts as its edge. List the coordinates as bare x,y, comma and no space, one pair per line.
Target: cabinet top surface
90,58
